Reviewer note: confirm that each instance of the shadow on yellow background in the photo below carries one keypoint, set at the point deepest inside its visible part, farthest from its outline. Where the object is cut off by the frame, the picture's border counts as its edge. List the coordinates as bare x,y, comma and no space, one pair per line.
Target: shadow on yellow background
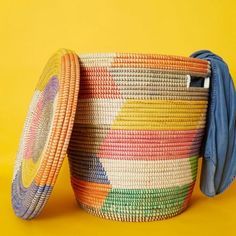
32,30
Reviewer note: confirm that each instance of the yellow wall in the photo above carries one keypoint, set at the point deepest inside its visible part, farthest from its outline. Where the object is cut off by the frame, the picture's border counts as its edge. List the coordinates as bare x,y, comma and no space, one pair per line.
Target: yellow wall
30,31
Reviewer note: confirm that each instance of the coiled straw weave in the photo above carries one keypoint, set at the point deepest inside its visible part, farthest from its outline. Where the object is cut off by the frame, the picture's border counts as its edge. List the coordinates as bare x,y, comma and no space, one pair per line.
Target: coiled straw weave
132,125
46,134
137,134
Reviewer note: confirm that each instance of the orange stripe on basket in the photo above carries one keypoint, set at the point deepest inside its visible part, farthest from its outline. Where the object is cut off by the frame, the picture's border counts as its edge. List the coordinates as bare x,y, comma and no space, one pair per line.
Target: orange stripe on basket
97,192
163,64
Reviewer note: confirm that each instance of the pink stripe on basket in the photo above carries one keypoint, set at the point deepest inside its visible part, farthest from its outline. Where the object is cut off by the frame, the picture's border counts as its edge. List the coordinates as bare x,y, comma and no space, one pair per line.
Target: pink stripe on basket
33,129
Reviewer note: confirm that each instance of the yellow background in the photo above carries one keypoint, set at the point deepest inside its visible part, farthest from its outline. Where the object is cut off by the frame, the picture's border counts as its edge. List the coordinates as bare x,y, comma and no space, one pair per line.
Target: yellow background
30,31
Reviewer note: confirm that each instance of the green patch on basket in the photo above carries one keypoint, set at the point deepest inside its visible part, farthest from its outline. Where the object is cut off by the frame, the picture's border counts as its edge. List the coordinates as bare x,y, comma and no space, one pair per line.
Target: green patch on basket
194,164
146,202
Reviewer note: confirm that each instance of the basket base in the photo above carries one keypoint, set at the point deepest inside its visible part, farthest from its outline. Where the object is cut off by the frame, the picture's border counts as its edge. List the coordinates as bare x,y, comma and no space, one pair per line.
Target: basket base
129,218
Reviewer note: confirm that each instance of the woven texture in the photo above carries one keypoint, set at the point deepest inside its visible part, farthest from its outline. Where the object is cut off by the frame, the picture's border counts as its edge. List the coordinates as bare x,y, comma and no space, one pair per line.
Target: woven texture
137,134
46,134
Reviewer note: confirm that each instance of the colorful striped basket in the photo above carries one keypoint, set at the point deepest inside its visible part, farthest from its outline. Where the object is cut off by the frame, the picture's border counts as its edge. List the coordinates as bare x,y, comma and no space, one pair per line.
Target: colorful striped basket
137,134
132,125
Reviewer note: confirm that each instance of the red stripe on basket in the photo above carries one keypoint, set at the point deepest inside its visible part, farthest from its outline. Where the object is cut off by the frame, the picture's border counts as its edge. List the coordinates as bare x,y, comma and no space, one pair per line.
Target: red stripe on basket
95,87
144,148
188,196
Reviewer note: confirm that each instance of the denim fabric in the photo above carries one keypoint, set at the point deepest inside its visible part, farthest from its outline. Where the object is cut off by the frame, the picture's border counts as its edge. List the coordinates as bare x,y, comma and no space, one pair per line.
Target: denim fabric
219,146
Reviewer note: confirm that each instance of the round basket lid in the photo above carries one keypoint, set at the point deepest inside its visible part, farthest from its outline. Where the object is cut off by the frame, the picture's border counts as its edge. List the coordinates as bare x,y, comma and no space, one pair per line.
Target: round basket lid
46,134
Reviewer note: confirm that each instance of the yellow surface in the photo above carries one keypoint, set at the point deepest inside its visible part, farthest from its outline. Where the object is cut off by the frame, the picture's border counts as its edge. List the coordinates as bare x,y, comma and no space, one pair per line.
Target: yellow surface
31,31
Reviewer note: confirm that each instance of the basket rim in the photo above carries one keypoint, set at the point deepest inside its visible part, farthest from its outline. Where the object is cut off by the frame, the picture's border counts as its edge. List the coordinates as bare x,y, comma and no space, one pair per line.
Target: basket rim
139,55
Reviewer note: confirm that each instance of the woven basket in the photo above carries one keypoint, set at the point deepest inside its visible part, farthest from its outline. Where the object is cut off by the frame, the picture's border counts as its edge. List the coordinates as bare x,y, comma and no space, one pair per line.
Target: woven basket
137,134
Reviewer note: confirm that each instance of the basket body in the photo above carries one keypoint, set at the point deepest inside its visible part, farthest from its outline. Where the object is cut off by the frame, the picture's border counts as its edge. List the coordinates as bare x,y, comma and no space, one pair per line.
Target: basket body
137,135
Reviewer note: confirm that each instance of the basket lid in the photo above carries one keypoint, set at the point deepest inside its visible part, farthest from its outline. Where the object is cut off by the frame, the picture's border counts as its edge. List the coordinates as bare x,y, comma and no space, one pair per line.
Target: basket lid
46,134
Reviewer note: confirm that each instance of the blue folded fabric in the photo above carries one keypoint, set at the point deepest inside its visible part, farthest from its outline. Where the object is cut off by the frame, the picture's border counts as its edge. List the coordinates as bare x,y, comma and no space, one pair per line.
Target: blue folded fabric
219,146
